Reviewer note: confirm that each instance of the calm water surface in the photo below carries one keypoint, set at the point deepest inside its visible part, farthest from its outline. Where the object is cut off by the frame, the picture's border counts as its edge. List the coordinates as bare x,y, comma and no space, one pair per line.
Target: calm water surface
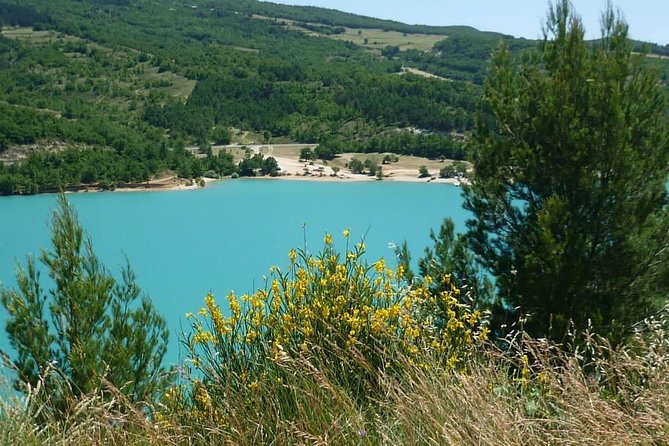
225,237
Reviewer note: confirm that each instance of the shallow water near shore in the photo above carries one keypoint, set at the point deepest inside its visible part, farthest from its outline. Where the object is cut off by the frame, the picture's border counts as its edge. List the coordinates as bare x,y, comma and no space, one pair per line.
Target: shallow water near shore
182,244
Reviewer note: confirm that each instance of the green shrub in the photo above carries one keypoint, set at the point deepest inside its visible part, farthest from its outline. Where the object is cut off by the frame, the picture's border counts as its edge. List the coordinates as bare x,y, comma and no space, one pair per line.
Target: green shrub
89,332
351,320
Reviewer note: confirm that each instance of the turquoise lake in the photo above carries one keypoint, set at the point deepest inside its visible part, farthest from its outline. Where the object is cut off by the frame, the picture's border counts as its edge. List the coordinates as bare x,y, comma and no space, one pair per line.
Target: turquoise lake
183,244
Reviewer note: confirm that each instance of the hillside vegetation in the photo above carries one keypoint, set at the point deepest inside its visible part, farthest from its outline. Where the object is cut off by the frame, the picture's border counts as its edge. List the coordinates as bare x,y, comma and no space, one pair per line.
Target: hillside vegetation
111,92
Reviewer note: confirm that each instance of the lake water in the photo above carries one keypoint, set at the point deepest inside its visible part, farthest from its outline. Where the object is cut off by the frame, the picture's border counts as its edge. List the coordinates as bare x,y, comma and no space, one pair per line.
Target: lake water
225,237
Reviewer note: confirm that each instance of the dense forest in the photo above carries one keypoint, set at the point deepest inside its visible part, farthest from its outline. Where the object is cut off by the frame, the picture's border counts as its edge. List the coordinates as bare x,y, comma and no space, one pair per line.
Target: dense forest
101,92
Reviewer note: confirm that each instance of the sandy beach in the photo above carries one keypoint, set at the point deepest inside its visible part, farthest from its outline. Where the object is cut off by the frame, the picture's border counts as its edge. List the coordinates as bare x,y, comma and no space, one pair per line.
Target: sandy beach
171,183
405,169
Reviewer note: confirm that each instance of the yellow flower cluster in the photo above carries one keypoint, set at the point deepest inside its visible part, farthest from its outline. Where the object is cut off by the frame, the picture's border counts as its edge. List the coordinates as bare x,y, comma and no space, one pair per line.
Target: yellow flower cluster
336,304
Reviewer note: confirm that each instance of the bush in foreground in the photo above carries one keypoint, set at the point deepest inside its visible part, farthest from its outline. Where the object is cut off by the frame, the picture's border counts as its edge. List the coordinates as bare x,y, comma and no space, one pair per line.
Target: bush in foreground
353,321
297,364
532,394
88,333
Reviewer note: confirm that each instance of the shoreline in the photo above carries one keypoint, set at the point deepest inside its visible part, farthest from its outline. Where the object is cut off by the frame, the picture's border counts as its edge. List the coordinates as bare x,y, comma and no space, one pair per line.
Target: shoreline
361,178
180,185
290,169
158,185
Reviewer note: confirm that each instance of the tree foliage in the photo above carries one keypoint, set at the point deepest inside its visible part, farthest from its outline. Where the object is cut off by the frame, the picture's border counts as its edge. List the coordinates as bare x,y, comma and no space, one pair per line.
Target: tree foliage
451,257
88,328
568,196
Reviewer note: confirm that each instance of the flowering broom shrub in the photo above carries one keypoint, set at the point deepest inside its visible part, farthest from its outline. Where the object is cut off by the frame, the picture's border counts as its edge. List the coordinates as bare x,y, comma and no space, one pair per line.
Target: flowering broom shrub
350,319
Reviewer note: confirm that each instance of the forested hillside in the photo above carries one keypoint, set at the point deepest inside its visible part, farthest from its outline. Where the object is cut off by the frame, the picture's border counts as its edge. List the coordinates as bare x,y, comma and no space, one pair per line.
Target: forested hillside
103,92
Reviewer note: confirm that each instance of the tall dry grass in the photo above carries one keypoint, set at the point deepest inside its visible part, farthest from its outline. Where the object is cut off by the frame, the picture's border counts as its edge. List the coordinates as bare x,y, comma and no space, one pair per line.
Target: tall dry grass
532,394
615,399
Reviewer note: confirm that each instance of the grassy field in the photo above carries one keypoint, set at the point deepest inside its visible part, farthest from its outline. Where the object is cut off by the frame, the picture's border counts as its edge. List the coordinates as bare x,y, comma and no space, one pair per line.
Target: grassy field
371,38
379,39
393,363
244,49
179,86
418,72
404,162
497,400
166,82
35,37
246,137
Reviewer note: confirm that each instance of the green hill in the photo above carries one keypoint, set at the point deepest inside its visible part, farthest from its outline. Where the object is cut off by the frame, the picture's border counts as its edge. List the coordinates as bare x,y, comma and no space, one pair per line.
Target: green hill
103,92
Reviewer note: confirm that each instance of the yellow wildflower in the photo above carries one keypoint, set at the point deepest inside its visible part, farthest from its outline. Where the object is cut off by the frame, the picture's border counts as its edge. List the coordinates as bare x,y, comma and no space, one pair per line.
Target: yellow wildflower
474,317
452,362
234,305
203,337
257,300
275,288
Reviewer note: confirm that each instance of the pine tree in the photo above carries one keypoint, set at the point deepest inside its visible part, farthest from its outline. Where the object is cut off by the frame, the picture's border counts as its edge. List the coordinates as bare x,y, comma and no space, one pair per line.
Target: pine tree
451,256
87,329
568,198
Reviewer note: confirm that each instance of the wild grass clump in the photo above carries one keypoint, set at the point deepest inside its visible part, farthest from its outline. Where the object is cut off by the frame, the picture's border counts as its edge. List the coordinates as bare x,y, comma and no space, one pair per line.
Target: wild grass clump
533,394
107,417
536,393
